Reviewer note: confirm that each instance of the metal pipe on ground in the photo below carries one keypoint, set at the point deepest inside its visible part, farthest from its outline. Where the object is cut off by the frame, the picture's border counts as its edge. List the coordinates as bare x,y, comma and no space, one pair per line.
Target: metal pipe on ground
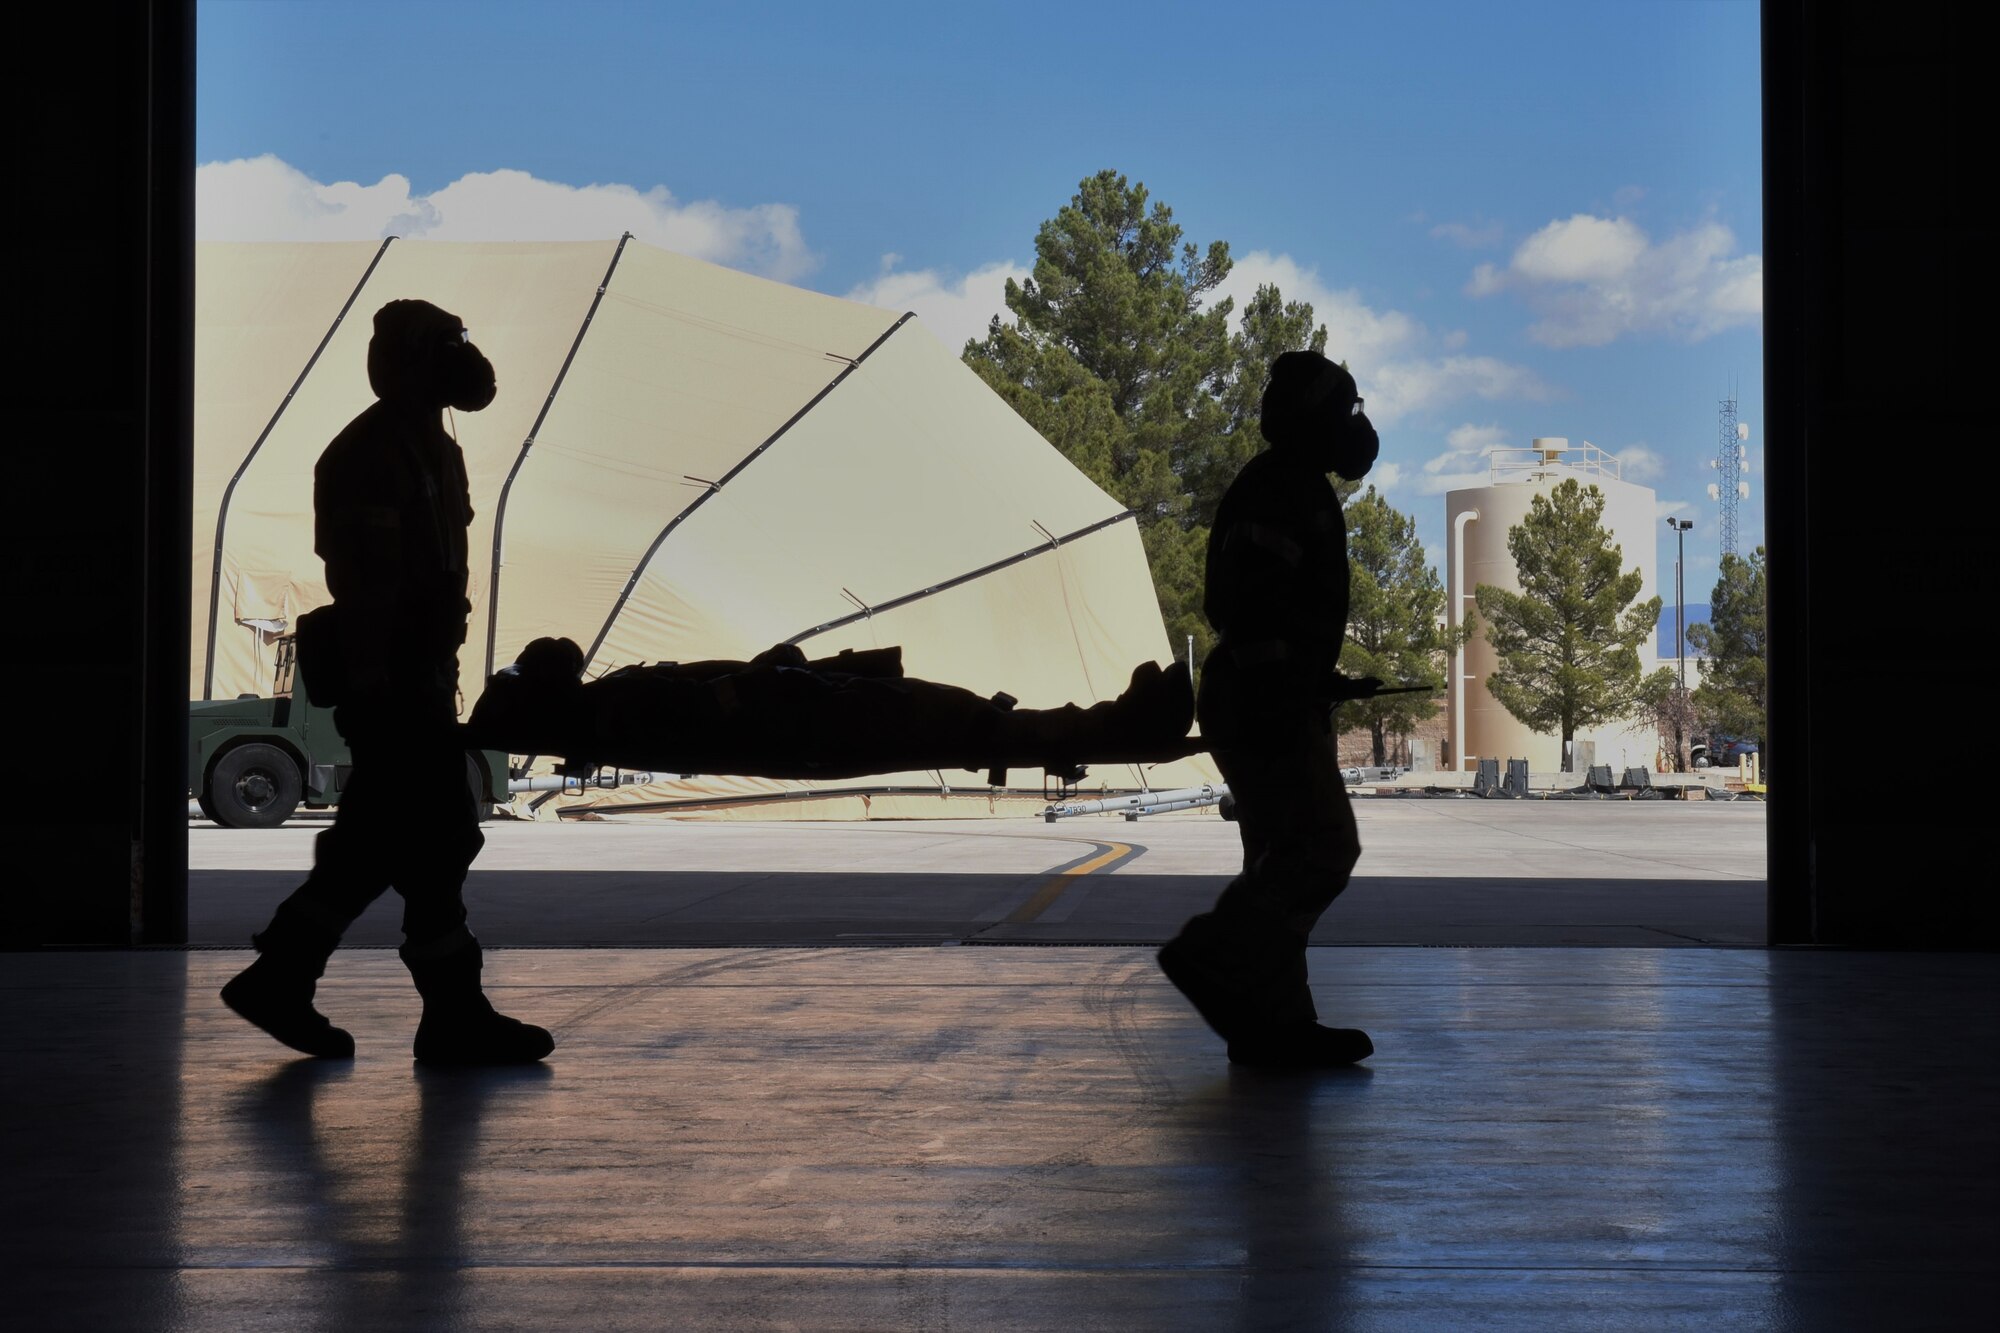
596,782
1145,802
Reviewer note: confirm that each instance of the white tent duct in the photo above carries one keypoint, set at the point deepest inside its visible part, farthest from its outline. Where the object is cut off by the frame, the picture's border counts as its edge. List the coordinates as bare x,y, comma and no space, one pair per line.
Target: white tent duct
684,462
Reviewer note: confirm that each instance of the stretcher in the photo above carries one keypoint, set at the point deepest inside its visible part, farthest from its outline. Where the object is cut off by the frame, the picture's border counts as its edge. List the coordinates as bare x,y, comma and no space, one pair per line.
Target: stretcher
782,715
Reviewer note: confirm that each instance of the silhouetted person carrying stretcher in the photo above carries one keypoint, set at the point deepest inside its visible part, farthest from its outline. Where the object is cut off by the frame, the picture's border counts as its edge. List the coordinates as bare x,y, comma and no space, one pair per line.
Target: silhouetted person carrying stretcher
1277,594
390,511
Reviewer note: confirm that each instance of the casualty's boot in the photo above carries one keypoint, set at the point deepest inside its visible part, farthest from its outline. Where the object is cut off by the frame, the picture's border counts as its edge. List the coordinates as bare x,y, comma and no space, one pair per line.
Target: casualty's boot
460,1026
275,992
1156,709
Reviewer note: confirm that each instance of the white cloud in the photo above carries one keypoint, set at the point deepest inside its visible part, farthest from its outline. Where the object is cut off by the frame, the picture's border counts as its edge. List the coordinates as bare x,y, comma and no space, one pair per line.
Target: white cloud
266,199
1640,464
953,310
1384,348
1463,462
1355,332
1671,508
1383,476
1481,439
1592,280
1583,249
1402,387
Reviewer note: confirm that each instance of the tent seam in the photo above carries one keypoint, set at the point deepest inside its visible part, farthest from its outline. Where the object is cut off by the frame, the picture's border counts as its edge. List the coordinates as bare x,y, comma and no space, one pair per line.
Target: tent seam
958,580
638,570
521,457
229,491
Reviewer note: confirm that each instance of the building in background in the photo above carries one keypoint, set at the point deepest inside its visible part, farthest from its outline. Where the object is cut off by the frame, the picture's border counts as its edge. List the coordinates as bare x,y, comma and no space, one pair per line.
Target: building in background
1477,520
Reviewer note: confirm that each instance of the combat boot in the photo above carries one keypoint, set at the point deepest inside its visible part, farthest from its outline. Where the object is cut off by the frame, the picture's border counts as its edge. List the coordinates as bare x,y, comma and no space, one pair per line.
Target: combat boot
275,992
1156,709
460,1026
1300,1046
1247,979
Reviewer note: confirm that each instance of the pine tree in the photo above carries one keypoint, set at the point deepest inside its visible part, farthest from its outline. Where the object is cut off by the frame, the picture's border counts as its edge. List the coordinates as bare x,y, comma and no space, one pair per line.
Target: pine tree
1114,359
1395,628
1731,694
1569,640
1672,709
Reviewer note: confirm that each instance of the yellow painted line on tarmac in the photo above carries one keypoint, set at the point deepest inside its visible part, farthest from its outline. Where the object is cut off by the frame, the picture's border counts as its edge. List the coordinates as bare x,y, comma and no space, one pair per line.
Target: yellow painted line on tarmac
1044,897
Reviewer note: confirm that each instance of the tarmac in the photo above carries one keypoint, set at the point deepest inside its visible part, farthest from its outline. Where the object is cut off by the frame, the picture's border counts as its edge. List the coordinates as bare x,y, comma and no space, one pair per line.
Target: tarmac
1439,872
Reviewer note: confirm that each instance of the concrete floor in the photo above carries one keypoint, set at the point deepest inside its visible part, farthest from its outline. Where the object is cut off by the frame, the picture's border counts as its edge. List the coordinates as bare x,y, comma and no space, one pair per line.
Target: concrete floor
1012,1138
1432,872
1021,1138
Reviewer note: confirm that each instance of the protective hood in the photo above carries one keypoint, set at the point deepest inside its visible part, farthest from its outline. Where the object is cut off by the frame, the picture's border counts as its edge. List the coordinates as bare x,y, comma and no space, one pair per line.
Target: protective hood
420,357
1309,406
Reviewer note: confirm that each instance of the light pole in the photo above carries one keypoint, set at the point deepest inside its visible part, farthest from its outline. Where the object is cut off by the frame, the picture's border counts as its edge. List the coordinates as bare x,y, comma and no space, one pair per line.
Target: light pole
1680,527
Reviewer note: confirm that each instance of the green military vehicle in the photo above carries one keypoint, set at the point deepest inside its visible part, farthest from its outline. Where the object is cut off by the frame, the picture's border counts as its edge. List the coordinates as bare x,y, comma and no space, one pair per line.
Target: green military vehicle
252,762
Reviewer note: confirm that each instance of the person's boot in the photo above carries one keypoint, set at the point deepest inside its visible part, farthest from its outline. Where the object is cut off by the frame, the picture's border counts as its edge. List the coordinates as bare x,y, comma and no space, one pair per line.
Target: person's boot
275,992
460,1026
1195,962
1247,980
1300,1046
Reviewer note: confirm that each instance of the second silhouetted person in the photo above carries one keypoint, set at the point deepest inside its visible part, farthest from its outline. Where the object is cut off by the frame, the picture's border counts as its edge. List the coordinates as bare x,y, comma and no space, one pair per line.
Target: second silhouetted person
391,509
1277,594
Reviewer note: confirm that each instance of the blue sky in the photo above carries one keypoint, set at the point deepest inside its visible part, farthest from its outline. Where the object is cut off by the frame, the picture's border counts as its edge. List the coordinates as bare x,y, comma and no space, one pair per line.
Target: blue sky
1518,220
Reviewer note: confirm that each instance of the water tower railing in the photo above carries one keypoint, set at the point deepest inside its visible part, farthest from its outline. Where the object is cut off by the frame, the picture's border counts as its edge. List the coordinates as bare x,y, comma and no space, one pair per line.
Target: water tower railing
1519,464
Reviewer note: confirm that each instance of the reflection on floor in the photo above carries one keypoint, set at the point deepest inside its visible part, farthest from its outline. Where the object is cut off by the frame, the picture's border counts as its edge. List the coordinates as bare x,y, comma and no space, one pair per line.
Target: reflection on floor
1013,1138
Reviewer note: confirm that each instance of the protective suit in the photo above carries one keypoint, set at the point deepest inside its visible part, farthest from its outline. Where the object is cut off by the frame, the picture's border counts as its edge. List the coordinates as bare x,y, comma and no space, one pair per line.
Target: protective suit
1276,591
391,509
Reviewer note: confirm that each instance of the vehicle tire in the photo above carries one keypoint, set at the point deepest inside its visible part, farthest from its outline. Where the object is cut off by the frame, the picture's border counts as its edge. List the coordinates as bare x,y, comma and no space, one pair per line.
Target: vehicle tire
253,786
475,782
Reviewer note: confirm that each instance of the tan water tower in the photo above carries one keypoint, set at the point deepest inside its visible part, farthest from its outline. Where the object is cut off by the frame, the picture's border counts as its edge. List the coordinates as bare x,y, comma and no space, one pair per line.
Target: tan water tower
1476,523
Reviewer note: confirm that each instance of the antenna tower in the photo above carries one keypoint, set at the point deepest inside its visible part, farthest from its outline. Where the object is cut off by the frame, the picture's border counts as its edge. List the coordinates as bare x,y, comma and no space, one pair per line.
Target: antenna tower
1732,468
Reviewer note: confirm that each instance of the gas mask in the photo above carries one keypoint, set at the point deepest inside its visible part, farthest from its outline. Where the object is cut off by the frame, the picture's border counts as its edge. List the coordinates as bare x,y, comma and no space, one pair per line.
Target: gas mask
424,357
1346,444
1311,406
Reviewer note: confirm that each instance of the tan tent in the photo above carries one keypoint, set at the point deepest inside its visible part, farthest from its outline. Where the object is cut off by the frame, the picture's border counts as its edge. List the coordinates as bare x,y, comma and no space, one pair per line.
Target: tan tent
684,462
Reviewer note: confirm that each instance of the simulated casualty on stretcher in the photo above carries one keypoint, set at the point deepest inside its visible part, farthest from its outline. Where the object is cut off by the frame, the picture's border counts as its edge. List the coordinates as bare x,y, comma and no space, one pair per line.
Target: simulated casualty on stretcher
781,715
